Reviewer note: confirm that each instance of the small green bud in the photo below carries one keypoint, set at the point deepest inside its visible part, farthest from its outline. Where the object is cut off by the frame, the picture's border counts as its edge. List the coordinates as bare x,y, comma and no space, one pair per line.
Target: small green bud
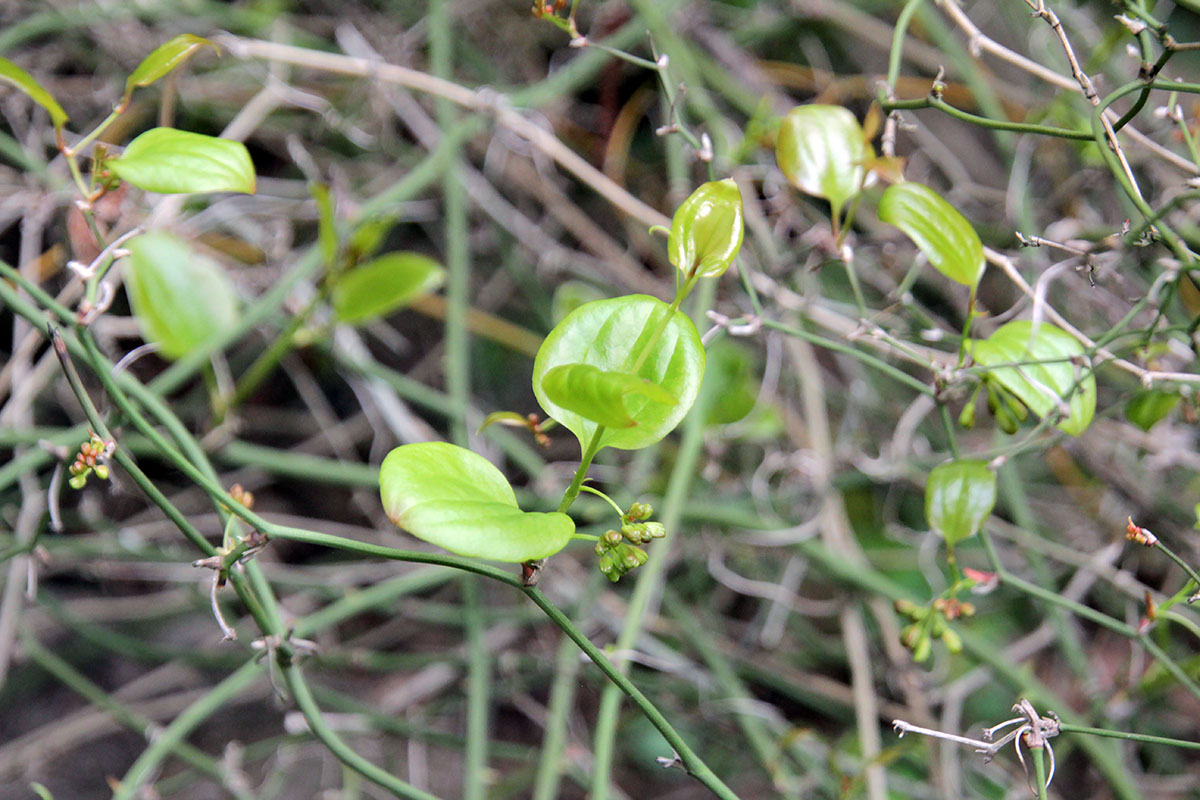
939,626
905,607
953,641
707,229
639,511
922,650
656,530
910,635
601,548
79,481
966,419
612,538
101,472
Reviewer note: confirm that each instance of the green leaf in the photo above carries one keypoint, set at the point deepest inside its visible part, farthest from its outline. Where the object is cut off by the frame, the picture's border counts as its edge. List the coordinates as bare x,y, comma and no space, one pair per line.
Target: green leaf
327,237
707,229
21,79
459,501
383,285
942,234
822,151
1040,368
1149,406
166,57
729,377
181,299
170,161
959,496
600,395
570,295
613,336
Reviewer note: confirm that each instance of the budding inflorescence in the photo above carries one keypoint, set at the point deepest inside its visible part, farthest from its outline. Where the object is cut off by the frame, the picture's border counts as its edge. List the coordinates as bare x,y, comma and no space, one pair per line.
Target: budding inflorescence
932,622
91,459
1142,536
619,550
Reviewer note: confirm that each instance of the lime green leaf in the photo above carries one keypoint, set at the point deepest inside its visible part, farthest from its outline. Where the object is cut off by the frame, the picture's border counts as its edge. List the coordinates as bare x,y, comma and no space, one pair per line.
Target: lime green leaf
706,231
459,501
164,58
570,295
613,336
1149,406
383,285
600,395
729,379
21,79
170,161
181,299
511,418
822,151
958,498
1045,368
327,238
943,235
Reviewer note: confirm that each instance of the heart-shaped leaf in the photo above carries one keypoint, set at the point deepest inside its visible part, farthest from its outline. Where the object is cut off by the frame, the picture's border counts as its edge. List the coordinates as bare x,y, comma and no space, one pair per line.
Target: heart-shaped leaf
600,395
170,161
635,335
181,299
821,151
21,79
943,235
164,58
383,285
959,496
706,231
459,501
1044,367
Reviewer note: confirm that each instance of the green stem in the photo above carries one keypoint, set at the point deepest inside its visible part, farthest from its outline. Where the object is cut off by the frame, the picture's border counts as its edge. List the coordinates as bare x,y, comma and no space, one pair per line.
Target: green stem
939,104
1039,770
1130,737
478,693
585,461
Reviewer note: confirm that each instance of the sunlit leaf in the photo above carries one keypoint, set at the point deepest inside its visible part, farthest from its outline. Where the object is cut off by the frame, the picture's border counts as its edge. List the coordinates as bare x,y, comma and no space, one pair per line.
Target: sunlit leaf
599,395
459,501
21,79
959,496
164,58
942,234
383,285
707,229
170,161
614,336
1045,368
181,299
821,151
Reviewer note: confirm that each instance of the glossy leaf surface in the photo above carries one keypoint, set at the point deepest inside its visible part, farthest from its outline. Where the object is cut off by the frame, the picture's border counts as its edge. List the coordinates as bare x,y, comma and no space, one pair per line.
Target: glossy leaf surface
613,336
11,73
457,500
959,496
383,285
164,58
600,395
1040,368
707,229
181,299
942,234
170,161
821,151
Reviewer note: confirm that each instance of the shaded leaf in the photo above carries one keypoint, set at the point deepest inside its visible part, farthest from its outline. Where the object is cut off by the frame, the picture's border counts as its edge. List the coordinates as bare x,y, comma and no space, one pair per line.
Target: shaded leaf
181,299
729,376
459,501
327,238
1039,367
21,79
383,285
614,335
942,234
821,151
707,229
1149,406
600,395
164,58
170,161
959,496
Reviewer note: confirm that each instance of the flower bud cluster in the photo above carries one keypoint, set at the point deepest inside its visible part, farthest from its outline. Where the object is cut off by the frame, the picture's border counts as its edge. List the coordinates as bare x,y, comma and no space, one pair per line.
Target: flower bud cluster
619,551
90,459
932,622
